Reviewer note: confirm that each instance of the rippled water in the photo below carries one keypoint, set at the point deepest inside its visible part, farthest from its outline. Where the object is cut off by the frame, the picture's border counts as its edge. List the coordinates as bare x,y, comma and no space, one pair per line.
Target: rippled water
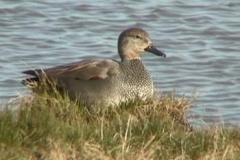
201,40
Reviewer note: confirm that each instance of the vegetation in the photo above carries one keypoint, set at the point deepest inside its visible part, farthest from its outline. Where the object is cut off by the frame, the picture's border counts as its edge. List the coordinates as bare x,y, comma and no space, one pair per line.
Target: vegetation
49,126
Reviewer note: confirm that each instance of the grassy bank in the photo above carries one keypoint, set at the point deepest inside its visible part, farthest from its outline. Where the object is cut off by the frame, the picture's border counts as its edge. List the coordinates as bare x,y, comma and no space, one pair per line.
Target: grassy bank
52,127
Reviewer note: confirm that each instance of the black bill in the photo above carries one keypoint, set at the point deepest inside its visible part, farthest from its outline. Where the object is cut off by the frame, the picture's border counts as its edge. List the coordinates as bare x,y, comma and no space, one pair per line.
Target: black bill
154,50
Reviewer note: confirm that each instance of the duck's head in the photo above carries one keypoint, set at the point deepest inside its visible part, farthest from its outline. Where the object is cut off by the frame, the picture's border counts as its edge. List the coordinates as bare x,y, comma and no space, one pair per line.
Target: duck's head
133,41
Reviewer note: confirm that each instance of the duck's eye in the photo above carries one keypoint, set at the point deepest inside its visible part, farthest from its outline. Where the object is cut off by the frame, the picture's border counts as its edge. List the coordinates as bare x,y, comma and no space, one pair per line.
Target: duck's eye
138,37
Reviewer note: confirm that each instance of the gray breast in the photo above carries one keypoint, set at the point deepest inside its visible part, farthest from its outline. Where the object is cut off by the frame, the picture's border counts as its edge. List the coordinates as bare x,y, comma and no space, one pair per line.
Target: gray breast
134,80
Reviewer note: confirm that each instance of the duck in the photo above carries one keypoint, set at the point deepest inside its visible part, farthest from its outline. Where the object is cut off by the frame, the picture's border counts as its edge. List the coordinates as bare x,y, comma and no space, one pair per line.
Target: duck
104,82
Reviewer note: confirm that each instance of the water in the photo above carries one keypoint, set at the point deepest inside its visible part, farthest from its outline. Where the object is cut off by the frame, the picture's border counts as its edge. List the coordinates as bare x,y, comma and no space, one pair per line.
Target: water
201,39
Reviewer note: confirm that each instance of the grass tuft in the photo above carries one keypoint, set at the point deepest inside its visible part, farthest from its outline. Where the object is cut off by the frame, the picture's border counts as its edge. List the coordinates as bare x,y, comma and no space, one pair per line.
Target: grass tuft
50,126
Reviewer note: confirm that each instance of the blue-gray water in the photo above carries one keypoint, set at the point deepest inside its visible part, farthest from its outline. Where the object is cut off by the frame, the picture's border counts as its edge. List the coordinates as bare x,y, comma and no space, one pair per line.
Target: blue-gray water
201,39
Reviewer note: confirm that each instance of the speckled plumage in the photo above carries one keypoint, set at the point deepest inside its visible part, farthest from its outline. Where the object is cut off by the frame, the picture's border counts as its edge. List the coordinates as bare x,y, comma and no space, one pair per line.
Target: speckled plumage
104,81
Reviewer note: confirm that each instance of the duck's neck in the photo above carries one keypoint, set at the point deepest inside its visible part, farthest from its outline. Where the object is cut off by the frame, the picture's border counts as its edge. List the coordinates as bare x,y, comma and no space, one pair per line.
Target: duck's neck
128,55
134,64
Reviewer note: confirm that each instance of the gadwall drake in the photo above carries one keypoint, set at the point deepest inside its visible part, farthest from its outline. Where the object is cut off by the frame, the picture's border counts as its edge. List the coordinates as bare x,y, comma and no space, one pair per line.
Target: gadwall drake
105,81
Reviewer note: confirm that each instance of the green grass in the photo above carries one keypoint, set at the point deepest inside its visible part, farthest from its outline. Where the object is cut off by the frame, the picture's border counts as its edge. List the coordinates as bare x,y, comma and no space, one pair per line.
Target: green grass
50,126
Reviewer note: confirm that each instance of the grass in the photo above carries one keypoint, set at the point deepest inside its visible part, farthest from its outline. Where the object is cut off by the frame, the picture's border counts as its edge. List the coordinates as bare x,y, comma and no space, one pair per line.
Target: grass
49,126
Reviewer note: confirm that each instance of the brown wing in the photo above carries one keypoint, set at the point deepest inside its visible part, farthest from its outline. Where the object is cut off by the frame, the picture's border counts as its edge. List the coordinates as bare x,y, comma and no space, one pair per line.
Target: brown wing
85,70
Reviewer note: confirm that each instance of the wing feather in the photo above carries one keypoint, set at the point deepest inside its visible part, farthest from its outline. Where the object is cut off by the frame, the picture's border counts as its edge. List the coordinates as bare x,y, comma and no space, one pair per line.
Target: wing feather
84,70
